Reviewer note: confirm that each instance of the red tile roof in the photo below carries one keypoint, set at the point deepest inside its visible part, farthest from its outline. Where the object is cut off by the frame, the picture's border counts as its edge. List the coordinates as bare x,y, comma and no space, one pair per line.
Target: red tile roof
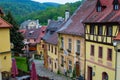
36,34
108,14
42,33
53,39
74,25
4,24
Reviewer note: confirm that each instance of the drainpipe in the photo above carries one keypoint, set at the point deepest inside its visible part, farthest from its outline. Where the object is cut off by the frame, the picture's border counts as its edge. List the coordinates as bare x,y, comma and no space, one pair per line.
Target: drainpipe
0,76
85,55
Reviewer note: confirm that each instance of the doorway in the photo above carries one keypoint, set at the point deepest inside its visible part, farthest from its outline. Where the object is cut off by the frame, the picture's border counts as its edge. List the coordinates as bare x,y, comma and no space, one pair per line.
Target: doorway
89,73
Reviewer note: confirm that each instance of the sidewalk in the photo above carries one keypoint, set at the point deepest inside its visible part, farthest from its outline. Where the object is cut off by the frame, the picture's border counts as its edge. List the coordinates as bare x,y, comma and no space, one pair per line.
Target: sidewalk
41,71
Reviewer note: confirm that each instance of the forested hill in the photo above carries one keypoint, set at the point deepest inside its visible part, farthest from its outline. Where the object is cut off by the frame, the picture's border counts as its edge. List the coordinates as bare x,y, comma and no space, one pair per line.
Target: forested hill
52,13
24,7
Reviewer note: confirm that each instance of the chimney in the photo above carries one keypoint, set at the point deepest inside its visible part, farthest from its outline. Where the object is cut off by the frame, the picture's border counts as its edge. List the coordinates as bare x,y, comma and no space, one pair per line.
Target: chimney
67,14
49,21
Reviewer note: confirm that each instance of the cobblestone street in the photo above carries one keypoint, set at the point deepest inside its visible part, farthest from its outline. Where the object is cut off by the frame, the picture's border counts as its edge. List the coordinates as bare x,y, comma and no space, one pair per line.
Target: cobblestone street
41,71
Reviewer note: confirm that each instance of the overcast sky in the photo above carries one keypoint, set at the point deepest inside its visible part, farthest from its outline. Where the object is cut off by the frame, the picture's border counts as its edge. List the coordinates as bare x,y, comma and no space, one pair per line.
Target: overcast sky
56,1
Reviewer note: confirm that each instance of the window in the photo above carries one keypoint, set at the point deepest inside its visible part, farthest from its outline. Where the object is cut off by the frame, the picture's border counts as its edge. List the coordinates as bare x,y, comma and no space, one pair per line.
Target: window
52,49
99,9
109,31
43,46
55,66
92,29
69,44
92,50
49,47
51,32
55,51
116,6
70,66
50,61
78,47
62,42
62,61
100,30
104,76
100,52
109,54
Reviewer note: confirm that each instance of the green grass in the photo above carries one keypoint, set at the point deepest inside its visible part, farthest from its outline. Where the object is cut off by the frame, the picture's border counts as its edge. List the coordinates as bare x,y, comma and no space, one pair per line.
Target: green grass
21,63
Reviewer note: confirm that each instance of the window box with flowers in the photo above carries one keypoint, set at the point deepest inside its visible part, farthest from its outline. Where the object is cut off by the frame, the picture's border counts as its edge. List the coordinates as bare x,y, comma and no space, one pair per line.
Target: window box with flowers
69,50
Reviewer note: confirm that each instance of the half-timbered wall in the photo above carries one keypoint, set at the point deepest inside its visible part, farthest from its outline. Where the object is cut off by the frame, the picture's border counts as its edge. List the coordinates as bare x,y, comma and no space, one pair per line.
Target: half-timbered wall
101,33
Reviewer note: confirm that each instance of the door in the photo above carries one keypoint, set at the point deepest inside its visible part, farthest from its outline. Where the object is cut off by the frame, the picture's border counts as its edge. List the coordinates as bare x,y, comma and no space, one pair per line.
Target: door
77,69
89,73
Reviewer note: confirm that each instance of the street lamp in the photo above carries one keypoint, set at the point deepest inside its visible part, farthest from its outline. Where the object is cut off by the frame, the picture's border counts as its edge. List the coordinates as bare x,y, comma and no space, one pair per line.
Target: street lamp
116,44
27,53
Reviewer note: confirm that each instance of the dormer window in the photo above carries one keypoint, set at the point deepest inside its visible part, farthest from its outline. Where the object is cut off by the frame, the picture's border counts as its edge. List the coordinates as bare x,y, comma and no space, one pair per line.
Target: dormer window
116,6
31,32
98,6
99,9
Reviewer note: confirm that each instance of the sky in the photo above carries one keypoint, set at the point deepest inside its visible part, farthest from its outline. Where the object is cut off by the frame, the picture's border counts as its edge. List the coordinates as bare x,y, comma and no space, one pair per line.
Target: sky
57,1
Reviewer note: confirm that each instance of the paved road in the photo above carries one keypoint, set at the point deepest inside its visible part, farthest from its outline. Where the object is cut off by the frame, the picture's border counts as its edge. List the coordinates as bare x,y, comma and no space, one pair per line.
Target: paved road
41,71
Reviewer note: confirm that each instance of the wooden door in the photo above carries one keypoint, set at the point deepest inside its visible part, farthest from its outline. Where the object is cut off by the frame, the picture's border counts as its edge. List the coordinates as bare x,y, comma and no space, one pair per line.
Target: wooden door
89,73
77,69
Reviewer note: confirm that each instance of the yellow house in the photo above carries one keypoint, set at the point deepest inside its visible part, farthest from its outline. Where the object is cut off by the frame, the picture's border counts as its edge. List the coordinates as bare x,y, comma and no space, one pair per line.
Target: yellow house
101,26
51,45
5,52
40,42
72,42
71,55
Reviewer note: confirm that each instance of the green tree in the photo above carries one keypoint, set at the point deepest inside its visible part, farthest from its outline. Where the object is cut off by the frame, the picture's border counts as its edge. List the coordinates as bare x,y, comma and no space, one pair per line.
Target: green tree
15,37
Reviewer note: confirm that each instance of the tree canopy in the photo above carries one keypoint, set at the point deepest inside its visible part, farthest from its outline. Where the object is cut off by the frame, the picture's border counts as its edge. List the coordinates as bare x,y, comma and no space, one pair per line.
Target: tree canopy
15,36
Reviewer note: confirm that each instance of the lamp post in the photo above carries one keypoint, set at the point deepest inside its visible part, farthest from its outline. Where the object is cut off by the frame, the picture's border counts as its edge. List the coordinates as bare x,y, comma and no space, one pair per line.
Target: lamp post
116,44
27,53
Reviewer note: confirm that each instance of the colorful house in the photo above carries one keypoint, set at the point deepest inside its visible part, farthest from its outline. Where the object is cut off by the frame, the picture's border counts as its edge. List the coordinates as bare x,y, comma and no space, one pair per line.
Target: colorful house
72,42
5,51
40,43
30,24
101,26
51,45
34,38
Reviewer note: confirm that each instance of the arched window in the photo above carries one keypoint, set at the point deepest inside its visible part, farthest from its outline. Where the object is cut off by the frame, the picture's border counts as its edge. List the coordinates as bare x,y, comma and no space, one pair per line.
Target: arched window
104,76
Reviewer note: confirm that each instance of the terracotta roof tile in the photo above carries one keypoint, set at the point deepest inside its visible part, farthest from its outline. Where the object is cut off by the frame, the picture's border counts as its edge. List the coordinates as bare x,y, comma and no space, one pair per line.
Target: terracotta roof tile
4,24
36,34
74,25
53,39
108,14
